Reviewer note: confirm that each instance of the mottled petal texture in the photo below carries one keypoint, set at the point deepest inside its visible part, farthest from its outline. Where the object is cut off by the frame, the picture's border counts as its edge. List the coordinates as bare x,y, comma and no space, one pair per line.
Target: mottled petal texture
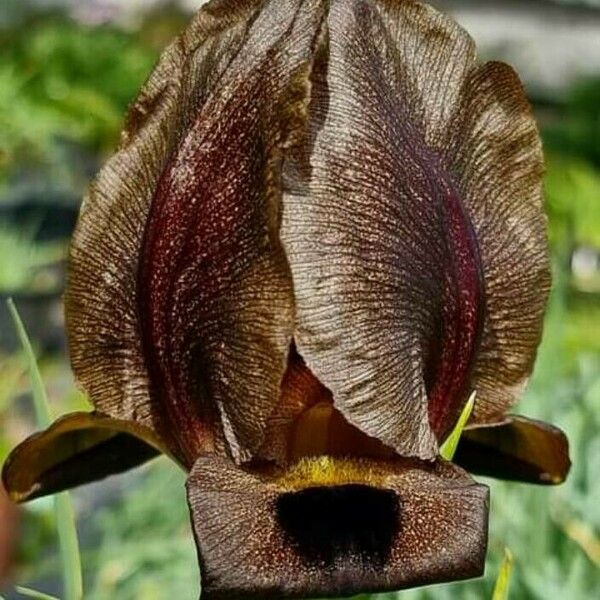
180,303
495,150
380,245
376,527
416,237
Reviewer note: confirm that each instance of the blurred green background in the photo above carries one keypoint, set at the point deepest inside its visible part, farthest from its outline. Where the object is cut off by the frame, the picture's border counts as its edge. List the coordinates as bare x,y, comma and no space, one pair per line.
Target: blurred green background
67,72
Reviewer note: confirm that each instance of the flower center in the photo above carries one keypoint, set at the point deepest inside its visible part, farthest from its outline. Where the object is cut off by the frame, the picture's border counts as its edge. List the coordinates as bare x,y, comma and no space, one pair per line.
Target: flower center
322,430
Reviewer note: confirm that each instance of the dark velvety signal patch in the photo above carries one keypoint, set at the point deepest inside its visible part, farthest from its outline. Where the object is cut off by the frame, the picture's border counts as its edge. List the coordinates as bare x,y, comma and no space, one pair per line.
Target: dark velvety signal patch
333,523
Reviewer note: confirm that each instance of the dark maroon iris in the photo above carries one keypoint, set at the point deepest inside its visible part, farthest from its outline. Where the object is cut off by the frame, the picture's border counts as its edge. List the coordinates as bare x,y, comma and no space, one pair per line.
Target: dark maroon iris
322,232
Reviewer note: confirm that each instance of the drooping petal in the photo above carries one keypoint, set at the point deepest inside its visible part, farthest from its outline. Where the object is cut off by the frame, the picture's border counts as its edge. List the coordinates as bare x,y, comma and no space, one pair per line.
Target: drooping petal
76,449
334,528
179,305
516,448
419,190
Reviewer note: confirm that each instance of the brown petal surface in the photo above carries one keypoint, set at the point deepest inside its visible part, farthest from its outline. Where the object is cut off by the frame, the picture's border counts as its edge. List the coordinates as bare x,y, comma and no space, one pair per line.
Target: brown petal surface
300,390
416,239
384,260
179,304
516,448
495,151
334,528
76,449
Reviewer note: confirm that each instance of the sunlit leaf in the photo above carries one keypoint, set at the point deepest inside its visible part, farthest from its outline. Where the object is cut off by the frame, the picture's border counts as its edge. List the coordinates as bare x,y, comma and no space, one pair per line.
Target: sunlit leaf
503,581
33,594
448,448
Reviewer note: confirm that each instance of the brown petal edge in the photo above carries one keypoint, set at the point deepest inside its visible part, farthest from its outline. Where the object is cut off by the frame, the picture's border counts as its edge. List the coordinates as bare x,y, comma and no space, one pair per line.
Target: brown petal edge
334,527
76,449
517,449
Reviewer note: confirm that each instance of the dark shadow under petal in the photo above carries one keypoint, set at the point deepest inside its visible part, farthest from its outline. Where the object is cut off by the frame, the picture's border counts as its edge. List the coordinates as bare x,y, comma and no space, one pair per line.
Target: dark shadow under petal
77,449
518,449
334,527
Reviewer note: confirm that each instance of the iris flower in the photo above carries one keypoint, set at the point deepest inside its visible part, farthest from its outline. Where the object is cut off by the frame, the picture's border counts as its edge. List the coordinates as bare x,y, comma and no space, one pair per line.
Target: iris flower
321,233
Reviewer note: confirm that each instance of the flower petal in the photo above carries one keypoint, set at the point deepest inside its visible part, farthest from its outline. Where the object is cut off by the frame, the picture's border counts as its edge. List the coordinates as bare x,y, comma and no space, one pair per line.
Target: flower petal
300,390
416,238
334,528
384,260
179,305
76,449
305,423
494,148
516,448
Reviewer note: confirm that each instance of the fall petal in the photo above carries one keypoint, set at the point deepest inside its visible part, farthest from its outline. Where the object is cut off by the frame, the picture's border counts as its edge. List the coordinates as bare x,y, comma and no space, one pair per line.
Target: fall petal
179,304
516,448
334,528
76,449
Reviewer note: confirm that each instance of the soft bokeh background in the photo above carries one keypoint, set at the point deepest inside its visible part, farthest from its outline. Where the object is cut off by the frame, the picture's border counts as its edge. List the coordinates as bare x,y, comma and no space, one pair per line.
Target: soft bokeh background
68,69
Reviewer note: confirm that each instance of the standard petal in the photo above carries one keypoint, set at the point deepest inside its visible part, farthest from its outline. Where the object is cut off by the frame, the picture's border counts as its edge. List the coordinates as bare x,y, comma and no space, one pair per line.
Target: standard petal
76,449
179,304
495,152
334,528
416,238
516,448
385,263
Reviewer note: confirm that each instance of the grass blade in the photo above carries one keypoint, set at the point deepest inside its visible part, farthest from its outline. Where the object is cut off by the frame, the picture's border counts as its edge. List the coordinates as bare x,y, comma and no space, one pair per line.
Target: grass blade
40,400
34,594
69,547
450,445
63,509
503,581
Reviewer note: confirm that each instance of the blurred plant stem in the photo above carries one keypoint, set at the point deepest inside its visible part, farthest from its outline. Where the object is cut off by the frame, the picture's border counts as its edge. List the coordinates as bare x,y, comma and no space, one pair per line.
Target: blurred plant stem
33,594
503,581
63,508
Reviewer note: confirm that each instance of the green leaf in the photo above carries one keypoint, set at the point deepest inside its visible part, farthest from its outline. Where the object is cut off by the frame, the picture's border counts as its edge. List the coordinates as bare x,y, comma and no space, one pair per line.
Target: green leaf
63,509
503,581
33,594
449,446
40,400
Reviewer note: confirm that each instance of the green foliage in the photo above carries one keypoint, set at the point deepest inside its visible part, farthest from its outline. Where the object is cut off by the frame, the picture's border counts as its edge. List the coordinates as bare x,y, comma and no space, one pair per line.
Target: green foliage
503,582
63,509
144,547
33,594
22,261
450,445
572,189
62,81
577,132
